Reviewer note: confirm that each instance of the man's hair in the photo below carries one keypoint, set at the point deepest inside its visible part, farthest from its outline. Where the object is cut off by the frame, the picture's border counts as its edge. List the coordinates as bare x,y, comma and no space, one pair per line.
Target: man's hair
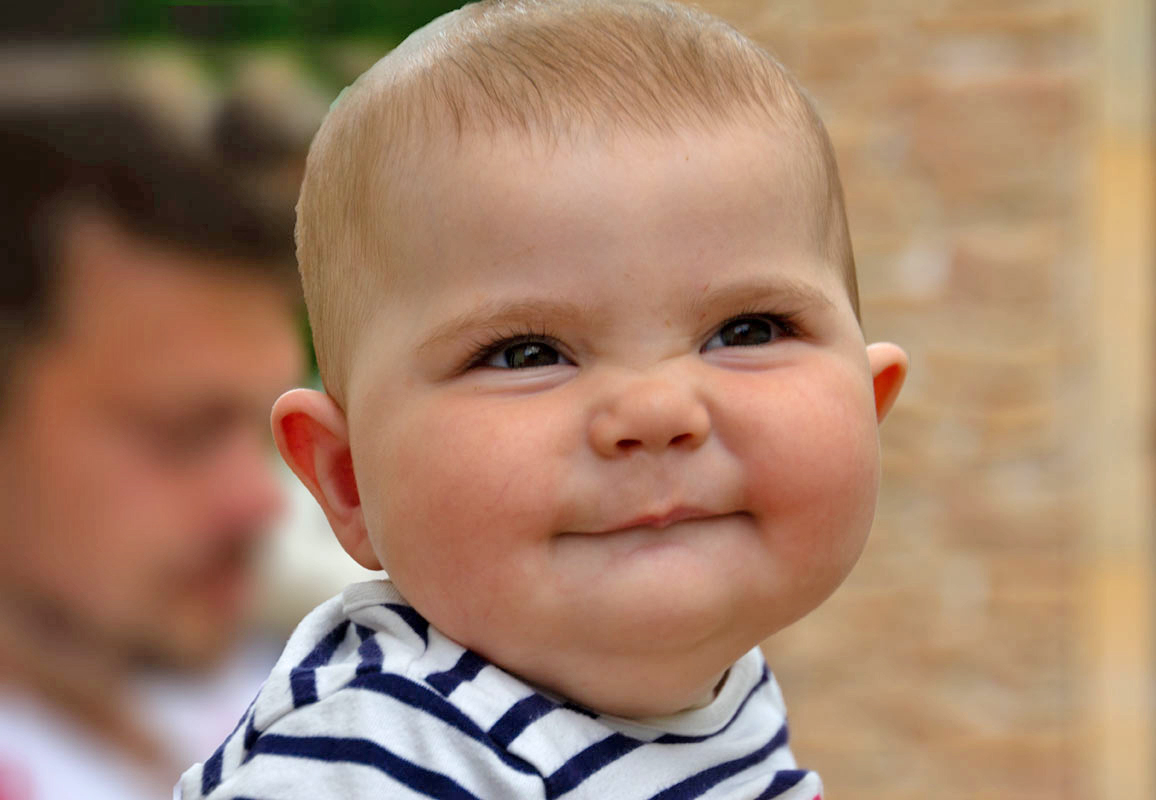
109,156
549,70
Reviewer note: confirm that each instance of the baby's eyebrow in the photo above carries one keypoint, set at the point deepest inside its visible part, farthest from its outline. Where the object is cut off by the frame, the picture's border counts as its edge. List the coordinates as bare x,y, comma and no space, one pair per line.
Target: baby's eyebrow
498,314
758,291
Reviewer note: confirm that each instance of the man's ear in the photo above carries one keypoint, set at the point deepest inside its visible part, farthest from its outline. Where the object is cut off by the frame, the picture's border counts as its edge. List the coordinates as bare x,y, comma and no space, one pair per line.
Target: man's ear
888,370
313,437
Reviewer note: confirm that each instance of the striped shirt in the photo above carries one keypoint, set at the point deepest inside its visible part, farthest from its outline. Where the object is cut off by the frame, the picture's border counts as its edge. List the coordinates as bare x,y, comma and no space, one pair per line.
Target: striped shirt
369,700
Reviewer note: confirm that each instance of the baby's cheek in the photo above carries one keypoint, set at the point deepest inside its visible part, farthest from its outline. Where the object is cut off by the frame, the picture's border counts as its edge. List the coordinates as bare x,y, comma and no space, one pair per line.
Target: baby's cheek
462,523
816,463
458,487
814,506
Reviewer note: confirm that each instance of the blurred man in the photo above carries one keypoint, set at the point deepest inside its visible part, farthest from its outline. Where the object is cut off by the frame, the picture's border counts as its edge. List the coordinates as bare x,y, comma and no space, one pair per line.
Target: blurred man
146,326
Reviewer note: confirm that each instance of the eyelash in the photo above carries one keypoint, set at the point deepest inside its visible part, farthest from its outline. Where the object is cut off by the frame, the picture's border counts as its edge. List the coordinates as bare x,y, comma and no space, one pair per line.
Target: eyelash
486,347
787,321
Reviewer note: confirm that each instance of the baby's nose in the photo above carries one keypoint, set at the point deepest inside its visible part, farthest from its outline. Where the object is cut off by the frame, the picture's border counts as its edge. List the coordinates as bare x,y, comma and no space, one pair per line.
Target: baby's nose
650,414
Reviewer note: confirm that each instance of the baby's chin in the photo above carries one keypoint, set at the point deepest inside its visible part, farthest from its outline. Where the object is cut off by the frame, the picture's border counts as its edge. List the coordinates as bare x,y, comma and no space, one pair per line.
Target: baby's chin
631,656
655,680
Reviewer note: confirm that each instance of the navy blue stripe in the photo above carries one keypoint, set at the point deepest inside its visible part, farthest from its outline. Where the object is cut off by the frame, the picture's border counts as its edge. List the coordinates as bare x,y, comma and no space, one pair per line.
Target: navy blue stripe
211,772
369,651
700,783
367,753
519,717
417,696
589,761
467,668
303,684
671,738
785,780
251,732
323,651
303,677
411,618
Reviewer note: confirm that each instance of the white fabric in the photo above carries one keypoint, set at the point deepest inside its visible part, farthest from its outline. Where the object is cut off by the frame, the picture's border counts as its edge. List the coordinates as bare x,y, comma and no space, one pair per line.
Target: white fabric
367,700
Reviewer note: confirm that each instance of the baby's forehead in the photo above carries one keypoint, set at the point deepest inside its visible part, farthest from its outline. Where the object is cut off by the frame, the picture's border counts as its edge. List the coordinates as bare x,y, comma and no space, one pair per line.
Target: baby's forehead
442,166
461,153
562,197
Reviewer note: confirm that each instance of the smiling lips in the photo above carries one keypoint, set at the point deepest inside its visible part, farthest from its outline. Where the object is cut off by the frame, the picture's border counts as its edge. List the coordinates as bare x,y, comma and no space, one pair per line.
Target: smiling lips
659,521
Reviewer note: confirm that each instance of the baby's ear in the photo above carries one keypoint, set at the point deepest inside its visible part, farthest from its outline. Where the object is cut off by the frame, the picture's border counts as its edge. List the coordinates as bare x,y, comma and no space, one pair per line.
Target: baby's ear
888,371
313,437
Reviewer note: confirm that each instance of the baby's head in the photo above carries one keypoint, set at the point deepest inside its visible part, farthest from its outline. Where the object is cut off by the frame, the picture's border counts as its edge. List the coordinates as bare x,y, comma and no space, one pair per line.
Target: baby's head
585,306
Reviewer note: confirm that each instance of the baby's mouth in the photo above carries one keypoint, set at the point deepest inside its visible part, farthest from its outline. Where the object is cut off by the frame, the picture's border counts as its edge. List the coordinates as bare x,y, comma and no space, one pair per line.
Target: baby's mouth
658,521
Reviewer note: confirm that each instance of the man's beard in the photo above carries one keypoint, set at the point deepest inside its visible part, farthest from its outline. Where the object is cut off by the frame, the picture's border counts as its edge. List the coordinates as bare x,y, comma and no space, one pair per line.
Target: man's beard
178,626
196,631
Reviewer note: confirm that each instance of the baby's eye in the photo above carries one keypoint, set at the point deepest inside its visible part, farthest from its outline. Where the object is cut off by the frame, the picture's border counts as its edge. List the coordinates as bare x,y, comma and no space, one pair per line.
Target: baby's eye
523,355
749,331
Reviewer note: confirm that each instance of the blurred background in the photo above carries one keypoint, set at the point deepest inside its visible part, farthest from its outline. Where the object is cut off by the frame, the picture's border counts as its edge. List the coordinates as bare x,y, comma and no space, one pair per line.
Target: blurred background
996,640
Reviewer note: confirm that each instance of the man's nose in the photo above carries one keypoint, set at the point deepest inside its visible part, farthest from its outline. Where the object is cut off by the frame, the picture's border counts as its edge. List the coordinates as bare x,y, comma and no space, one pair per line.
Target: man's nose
649,413
250,494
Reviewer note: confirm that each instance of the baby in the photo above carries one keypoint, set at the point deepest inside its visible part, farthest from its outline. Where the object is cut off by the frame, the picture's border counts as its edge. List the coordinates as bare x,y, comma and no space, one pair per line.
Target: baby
596,398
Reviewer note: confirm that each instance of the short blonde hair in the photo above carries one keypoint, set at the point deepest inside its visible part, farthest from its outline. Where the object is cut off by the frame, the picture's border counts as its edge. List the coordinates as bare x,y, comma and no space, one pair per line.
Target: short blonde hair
547,69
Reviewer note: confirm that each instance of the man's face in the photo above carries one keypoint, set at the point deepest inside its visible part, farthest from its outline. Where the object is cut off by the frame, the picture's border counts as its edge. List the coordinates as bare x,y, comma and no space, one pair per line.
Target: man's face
618,414
137,479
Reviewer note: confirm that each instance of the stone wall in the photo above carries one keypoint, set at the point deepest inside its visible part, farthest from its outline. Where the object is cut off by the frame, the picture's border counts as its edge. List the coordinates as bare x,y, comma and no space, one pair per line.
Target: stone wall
953,663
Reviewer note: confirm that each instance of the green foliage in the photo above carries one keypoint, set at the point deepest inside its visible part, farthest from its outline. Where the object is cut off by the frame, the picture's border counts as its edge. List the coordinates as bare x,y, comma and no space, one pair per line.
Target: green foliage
250,21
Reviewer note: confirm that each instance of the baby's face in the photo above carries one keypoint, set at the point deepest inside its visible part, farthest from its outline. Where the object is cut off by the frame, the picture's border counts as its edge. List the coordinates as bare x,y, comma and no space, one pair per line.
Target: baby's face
615,425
